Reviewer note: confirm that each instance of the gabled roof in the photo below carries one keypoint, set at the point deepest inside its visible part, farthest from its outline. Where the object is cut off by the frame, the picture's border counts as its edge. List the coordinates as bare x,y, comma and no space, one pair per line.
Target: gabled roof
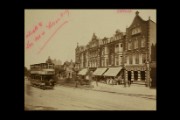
137,18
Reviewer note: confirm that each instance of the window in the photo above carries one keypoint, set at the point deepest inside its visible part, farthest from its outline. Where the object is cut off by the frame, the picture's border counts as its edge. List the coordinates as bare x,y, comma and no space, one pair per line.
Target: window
136,30
121,45
130,46
125,59
103,51
130,59
137,58
112,60
143,58
117,60
117,49
143,42
121,59
107,63
135,44
103,62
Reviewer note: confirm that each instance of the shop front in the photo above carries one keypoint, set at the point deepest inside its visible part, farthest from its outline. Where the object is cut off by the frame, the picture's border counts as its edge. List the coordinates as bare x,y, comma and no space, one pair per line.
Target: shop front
98,74
135,73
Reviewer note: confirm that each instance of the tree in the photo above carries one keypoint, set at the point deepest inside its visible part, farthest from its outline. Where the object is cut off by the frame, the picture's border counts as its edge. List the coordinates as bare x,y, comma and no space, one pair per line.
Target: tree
26,71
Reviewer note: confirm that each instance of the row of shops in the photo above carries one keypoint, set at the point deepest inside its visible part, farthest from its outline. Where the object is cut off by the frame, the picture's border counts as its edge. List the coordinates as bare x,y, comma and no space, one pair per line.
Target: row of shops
100,74
125,74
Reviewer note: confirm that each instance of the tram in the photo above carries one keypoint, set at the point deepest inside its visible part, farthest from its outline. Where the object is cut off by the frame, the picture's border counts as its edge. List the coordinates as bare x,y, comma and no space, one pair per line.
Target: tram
42,75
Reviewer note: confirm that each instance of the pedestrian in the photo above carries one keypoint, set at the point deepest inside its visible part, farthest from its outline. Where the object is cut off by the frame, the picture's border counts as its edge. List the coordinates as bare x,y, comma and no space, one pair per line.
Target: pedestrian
118,80
51,81
111,81
106,80
96,81
129,83
124,81
76,81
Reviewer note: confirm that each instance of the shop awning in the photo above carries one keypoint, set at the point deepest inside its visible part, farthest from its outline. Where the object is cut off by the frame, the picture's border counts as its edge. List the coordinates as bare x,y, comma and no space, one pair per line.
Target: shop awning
99,71
83,72
113,71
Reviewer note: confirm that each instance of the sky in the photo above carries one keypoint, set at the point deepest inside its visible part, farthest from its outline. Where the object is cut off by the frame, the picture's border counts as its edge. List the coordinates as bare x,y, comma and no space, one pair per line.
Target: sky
58,31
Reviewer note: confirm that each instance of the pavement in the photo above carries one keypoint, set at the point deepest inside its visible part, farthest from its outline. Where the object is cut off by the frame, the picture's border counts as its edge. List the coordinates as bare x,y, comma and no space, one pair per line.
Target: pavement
133,90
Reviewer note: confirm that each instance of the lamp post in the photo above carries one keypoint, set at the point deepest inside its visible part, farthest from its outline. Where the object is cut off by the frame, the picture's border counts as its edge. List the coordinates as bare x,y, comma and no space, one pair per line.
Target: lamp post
147,74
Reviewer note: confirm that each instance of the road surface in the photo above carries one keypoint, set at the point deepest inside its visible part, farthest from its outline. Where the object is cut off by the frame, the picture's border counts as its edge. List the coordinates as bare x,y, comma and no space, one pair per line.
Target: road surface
69,98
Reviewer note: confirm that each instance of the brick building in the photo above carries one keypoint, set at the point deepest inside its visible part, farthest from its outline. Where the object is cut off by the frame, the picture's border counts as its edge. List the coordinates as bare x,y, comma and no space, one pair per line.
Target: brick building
140,50
132,52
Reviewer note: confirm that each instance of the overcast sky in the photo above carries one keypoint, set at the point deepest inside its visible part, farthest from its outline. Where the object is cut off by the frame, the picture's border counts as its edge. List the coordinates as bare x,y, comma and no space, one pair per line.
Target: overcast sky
74,26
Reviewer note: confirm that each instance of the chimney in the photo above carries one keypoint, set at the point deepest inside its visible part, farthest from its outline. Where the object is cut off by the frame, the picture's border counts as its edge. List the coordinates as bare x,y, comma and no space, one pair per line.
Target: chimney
137,13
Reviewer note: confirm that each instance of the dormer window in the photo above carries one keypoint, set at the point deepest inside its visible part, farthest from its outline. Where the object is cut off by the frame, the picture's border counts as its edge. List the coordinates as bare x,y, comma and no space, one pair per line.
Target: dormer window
136,30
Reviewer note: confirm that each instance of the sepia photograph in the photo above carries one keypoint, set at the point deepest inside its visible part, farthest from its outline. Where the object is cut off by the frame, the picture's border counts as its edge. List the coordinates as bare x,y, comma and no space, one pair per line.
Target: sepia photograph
90,60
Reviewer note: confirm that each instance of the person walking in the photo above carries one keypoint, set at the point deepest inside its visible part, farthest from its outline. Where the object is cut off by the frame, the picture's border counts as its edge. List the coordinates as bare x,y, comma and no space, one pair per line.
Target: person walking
96,81
111,81
124,81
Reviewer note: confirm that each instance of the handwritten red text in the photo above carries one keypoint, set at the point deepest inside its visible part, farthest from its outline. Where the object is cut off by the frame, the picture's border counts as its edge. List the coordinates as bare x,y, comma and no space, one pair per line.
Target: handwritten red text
40,29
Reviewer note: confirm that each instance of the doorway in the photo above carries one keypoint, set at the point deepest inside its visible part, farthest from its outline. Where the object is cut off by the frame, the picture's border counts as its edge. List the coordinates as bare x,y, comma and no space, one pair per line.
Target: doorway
135,75
129,75
143,75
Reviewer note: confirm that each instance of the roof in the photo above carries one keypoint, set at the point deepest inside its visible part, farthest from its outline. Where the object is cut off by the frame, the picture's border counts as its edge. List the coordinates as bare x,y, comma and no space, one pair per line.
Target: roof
40,64
137,18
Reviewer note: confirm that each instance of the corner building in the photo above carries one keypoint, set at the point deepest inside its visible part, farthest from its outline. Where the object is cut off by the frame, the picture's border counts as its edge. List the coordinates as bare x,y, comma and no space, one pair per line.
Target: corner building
140,51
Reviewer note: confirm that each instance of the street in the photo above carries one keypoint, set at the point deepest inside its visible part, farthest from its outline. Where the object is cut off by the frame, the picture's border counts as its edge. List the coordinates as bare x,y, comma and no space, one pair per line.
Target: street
71,98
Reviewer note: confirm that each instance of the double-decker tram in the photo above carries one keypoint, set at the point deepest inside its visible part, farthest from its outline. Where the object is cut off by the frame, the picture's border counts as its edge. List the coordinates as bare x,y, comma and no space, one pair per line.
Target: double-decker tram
42,75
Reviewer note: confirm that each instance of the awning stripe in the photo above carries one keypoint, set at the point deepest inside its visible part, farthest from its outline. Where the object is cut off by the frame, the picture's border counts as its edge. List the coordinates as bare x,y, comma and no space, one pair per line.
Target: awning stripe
113,71
83,72
99,71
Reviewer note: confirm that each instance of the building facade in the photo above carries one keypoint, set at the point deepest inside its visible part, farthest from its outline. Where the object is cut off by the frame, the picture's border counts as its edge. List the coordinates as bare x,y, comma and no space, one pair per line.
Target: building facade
134,51
106,52
140,50
69,69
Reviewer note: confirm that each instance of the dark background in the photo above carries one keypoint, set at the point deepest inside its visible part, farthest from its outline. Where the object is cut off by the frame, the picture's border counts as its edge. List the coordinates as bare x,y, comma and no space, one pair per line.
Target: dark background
15,55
